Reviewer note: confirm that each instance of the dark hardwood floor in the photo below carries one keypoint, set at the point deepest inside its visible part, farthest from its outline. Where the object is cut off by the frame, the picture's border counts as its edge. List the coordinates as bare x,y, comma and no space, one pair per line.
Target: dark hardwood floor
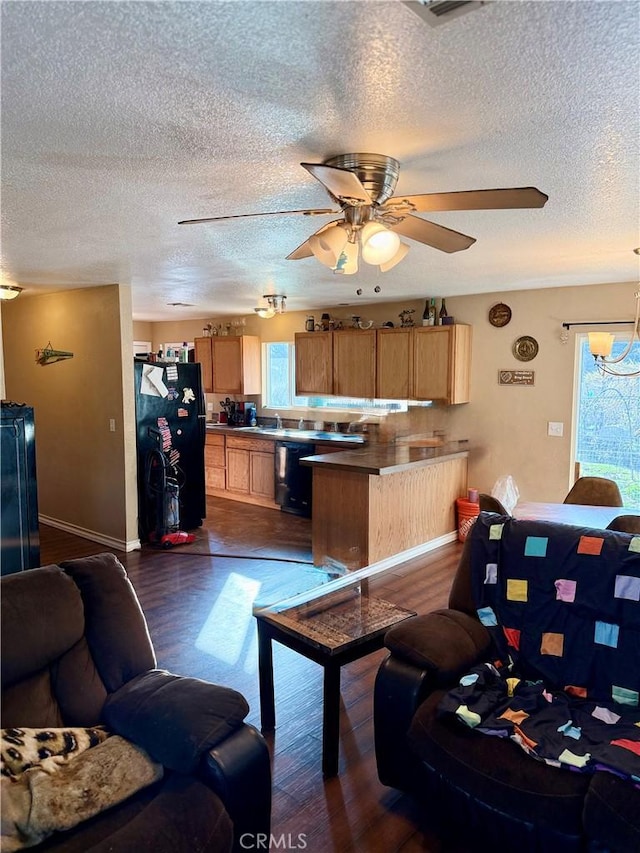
198,603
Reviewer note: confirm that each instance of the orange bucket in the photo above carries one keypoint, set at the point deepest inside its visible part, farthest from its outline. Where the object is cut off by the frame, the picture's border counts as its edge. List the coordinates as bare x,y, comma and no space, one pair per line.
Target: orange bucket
467,513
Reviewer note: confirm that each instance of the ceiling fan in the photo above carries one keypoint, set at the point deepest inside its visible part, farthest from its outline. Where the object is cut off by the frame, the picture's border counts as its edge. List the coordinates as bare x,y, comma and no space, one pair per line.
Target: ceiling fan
373,219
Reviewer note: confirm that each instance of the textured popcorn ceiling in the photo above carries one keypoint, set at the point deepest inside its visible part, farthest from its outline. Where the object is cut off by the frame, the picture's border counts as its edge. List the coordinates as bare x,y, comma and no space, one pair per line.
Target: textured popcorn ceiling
119,119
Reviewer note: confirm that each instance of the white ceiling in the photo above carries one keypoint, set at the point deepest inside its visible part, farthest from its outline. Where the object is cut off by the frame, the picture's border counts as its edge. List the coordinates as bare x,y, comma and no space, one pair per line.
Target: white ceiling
119,119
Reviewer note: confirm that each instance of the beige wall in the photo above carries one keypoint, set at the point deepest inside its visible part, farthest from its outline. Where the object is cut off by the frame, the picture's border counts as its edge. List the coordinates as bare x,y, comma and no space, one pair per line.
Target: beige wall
86,474
506,426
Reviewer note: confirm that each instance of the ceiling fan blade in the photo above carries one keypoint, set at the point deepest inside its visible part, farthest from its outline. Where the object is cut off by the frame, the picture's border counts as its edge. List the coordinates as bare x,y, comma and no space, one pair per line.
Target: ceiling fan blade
303,250
320,211
433,235
501,199
341,183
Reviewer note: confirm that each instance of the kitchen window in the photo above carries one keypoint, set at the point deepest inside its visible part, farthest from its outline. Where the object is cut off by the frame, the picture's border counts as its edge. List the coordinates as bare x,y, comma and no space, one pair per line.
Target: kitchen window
279,387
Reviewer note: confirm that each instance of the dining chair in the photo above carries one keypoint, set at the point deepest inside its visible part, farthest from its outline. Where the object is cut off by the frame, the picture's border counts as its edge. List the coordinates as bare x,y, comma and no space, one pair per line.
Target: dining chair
594,491
490,504
625,524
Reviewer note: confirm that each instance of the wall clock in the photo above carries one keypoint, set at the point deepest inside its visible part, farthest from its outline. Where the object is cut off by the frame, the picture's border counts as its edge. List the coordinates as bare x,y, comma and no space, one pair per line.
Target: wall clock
499,315
525,348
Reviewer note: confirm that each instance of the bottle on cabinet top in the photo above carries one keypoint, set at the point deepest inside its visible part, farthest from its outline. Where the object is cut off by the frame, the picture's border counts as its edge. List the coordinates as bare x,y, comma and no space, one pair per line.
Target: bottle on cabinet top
443,313
184,353
425,314
432,312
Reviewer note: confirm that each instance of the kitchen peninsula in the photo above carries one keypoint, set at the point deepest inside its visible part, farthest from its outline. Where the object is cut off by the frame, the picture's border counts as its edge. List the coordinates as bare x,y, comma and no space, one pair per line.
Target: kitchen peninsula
373,503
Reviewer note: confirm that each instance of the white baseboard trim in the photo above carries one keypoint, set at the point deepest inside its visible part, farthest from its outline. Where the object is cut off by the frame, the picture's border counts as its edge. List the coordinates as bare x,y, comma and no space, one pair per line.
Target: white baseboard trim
93,535
349,578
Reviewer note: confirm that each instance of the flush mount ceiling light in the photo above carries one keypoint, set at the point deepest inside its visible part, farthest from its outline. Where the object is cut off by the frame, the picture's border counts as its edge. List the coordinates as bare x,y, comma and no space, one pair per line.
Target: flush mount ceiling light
9,291
275,305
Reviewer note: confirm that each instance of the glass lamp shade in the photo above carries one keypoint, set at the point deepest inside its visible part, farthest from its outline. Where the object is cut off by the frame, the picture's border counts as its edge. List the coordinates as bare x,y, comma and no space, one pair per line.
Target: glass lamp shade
379,245
327,246
347,263
600,343
399,255
9,291
265,313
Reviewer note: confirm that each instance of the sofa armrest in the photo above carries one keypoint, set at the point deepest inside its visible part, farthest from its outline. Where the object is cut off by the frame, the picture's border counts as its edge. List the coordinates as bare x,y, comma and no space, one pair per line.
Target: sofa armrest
238,769
445,643
174,718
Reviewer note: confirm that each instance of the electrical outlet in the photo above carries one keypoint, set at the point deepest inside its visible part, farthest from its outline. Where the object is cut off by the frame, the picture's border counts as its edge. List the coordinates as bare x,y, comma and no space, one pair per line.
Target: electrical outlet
209,407
112,424
555,428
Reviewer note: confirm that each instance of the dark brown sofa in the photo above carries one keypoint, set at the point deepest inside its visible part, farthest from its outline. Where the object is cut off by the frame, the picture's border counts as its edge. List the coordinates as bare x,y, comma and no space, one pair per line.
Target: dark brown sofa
477,789
76,652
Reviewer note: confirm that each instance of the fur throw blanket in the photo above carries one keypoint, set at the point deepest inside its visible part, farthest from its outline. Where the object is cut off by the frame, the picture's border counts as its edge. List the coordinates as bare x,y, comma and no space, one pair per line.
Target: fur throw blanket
24,748
52,796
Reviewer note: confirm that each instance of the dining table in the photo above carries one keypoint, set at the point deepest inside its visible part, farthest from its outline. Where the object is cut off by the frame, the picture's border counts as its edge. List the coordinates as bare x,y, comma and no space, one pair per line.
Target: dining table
579,514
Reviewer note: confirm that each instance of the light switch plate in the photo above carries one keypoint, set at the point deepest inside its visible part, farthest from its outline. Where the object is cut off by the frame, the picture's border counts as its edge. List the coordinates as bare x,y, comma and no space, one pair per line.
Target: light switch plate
555,428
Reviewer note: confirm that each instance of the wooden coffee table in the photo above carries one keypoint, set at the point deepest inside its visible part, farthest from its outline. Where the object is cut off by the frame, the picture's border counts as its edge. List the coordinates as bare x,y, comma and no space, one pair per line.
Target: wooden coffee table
332,629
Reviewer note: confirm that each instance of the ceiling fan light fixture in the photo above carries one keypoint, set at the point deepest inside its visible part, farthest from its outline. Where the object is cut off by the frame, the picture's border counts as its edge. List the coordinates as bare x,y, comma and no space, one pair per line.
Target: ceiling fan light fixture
399,255
379,244
328,245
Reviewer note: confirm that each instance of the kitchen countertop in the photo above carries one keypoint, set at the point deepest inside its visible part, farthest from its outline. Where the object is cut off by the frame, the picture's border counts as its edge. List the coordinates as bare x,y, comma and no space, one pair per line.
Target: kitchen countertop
387,458
304,436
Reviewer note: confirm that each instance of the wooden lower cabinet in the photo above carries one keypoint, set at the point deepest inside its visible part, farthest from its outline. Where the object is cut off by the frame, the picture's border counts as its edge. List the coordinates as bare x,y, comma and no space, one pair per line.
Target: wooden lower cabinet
215,464
240,469
261,475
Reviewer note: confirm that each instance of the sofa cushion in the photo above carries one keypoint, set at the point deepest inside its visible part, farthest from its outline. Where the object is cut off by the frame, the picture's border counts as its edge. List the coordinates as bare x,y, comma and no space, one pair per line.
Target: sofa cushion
611,810
497,772
45,598
49,797
444,641
179,814
116,629
174,718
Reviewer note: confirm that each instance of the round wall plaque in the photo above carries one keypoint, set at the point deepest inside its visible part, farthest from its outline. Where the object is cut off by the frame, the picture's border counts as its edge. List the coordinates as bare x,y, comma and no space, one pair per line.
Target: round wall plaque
525,348
499,315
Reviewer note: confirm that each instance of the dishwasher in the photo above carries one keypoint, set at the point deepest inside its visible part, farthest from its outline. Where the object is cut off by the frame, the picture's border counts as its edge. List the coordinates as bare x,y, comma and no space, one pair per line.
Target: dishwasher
293,480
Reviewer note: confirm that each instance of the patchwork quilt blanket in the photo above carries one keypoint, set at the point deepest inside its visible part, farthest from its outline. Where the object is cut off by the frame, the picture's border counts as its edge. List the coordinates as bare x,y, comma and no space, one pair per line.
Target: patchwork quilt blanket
562,605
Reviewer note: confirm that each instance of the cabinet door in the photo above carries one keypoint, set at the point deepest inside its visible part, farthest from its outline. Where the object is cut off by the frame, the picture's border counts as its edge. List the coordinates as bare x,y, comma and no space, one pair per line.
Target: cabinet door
215,480
262,475
204,358
442,363
227,364
431,358
354,363
314,363
237,470
394,360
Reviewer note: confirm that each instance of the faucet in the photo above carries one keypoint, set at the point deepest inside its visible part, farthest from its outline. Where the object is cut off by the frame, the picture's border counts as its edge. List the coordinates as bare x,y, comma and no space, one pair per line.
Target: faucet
278,421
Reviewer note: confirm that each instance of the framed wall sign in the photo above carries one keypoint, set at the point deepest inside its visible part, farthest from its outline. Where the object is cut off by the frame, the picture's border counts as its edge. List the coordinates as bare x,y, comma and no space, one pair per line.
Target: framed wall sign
516,377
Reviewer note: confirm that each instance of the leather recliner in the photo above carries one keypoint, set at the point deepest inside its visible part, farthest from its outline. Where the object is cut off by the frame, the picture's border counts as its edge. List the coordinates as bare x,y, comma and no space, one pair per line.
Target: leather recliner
76,652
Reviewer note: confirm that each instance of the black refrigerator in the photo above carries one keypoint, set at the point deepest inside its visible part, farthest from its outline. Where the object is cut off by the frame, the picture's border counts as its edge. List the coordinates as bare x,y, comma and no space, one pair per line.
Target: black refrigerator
170,419
19,530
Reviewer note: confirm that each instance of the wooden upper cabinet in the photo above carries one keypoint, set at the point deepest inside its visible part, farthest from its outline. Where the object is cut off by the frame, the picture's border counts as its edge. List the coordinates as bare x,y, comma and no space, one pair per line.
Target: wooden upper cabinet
354,363
204,358
236,364
394,364
314,363
441,363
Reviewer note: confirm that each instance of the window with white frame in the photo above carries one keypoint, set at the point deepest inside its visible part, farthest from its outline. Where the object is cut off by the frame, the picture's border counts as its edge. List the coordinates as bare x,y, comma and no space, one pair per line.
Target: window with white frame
279,387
